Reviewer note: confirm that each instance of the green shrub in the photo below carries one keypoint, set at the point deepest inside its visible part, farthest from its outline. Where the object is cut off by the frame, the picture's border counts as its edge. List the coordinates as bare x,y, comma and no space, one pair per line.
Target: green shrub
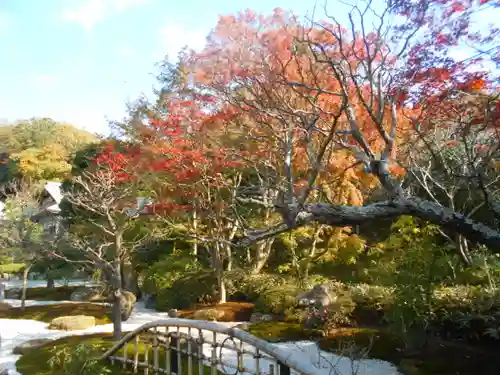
247,287
162,274
335,315
317,279
371,296
467,312
81,360
192,288
278,300
12,268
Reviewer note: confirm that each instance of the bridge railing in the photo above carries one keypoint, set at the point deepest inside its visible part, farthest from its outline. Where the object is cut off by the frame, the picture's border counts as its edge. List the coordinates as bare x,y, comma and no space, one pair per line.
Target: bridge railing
192,347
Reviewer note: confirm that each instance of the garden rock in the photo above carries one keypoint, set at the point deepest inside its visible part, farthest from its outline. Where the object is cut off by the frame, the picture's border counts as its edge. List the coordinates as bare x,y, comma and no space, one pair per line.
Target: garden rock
259,318
318,295
128,300
127,304
14,293
208,314
72,323
85,294
243,326
173,313
30,344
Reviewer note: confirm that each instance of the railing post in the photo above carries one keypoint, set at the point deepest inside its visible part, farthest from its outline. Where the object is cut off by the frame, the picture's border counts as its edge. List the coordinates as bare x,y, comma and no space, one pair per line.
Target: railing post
283,369
174,363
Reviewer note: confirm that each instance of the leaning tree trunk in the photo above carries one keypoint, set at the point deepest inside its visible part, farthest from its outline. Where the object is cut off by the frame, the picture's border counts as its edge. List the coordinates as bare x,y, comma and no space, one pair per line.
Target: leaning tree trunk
25,286
262,253
463,250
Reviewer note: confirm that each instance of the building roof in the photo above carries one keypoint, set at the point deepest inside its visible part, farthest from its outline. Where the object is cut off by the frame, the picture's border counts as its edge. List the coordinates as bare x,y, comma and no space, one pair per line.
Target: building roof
54,189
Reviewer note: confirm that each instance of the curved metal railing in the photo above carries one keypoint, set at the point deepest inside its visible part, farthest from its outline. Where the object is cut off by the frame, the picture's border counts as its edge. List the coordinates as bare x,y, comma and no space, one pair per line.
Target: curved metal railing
194,347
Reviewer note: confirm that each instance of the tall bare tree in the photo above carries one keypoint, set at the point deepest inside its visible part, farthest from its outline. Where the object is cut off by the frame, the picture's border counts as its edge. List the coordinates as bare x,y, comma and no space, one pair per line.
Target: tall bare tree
102,222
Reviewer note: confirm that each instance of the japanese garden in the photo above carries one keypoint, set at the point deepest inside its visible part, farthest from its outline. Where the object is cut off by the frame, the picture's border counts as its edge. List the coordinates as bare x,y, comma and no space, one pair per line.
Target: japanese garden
317,197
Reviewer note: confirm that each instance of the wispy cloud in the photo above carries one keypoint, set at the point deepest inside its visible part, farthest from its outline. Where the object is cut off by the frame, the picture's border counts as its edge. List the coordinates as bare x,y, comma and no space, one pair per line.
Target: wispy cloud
175,36
87,13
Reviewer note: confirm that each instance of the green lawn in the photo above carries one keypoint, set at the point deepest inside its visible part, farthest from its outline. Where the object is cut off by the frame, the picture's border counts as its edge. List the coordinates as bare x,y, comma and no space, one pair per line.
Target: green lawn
46,313
35,361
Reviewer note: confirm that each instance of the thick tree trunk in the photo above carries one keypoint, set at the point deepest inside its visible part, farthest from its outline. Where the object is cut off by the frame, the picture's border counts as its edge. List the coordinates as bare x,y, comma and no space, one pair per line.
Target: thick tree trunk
129,278
262,253
51,283
342,215
25,286
218,265
116,285
116,299
222,289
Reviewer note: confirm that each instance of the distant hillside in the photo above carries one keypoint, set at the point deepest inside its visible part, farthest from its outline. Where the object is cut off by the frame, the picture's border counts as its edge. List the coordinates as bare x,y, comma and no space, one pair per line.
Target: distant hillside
40,148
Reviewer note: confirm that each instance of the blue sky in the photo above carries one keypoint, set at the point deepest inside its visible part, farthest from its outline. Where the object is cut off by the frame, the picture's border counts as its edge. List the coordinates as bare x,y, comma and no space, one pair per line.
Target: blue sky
80,61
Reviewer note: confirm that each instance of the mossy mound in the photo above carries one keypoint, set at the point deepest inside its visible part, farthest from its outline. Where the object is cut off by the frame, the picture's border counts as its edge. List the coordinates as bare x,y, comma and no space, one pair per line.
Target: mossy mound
281,332
36,361
46,313
436,358
60,293
226,312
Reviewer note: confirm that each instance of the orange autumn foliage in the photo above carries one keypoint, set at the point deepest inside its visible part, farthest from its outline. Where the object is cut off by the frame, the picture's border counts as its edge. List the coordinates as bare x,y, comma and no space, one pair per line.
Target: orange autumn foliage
261,68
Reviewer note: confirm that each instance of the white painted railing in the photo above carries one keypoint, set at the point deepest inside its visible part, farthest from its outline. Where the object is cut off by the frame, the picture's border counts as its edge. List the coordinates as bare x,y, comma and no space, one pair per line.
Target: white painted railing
189,347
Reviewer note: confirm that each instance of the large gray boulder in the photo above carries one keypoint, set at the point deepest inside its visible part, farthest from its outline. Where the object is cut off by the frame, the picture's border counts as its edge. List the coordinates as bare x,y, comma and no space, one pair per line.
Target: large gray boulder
127,304
261,318
128,300
30,344
14,293
319,295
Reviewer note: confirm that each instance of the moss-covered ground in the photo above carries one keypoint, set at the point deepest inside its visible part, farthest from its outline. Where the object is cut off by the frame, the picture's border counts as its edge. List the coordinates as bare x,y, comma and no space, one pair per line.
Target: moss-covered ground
233,311
46,313
36,361
60,293
436,358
